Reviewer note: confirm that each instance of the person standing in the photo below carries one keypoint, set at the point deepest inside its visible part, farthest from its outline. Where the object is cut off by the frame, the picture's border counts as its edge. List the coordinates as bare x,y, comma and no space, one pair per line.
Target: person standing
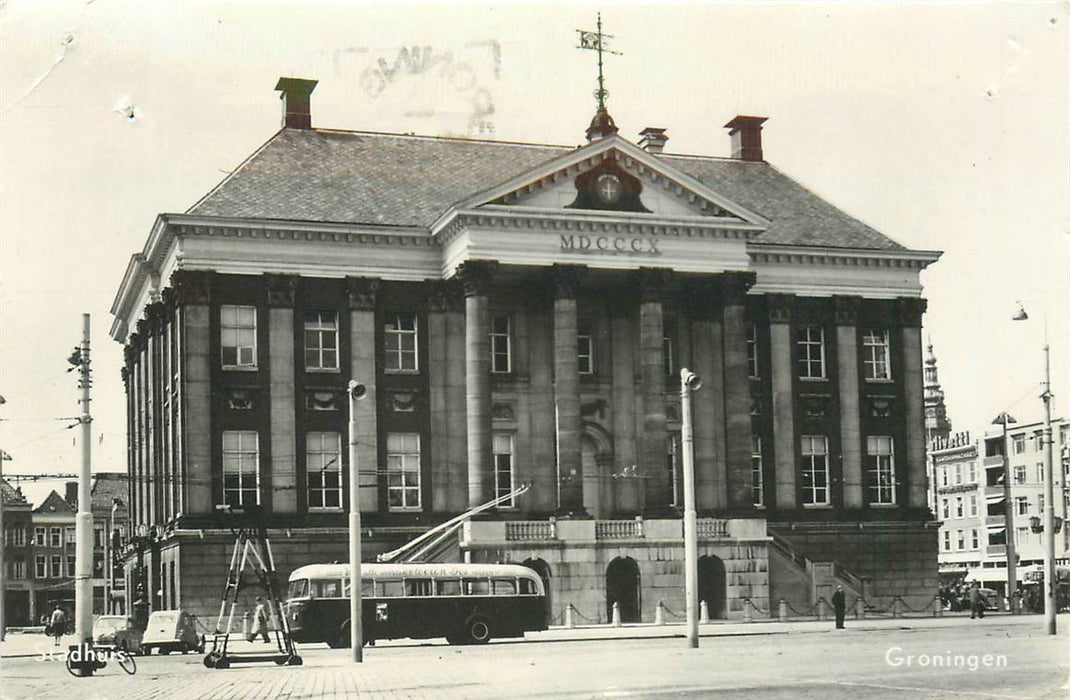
977,601
58,623
260,620
839,604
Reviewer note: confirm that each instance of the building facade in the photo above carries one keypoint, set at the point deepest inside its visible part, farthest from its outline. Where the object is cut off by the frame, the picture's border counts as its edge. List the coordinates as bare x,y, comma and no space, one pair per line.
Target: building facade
18,557
519,314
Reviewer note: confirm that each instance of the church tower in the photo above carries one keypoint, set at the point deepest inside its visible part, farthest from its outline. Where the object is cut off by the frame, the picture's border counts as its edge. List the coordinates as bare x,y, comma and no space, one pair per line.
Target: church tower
937,425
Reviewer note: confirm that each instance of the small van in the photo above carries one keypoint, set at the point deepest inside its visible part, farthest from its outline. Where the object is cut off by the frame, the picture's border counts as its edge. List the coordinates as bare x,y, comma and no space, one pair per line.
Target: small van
171,630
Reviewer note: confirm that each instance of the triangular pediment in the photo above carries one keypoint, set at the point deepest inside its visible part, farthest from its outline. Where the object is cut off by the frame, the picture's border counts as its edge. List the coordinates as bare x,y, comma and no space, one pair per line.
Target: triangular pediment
54,503
614,175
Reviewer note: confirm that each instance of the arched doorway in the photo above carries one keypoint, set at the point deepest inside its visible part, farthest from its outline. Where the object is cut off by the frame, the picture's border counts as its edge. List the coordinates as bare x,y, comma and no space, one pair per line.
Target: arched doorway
543,570
711,585
622,588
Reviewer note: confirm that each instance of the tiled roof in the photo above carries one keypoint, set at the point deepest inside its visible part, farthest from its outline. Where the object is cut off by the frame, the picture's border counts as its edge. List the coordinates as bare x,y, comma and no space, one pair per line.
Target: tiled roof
11,496
398,180
108,486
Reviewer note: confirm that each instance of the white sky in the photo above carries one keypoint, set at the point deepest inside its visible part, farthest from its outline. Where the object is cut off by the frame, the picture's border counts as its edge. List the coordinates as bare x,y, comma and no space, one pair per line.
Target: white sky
946,127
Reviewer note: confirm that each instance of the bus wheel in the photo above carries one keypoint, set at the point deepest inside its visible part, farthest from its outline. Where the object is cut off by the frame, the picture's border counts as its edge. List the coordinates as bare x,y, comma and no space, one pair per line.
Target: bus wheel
477,630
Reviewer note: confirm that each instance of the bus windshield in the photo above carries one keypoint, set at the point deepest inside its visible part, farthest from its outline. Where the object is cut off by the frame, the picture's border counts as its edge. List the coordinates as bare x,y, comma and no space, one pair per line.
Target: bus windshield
299,588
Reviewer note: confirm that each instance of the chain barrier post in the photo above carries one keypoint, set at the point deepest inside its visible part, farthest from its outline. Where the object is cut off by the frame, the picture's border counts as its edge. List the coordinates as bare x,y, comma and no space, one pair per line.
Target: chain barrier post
704,612
783,612
616,614
860,608
938,606
659,614
570,621
897,605
748,616
822,613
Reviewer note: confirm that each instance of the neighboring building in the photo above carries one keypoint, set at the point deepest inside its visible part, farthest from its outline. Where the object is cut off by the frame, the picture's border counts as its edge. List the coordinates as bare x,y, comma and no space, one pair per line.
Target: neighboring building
111,523
519,314
54,551
971,502
960,504
18,557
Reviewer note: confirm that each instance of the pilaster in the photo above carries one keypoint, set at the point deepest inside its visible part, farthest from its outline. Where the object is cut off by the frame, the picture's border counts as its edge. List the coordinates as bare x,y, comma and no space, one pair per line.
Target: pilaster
737,390
653,287
281,291
909,311
846,310
780,307
476,275
361,295
567,280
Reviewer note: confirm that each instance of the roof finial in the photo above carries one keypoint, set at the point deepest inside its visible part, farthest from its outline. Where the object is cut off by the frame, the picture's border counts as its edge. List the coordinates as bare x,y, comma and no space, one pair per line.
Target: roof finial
596,41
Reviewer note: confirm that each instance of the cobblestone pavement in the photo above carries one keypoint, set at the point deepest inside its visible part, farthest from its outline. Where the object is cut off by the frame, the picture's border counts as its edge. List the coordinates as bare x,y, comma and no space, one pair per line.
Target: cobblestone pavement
810,661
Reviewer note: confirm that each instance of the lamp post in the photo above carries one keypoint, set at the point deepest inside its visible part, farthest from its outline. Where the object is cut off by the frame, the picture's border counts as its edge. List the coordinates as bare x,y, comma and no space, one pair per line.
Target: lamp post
1008,521
3,538
109,558
1049,490
356,391
689,381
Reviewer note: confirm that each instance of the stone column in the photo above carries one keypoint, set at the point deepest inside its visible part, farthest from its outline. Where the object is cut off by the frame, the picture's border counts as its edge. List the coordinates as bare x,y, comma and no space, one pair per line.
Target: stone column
653,286
476,276
284,485
781,354
850,427
446,385
737,390
361,295
192,291
704,311
567,279
909,311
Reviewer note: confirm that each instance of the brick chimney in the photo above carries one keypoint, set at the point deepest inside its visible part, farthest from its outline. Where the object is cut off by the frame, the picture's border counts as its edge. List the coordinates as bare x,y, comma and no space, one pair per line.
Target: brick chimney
296,102
746,133
652,139
71,493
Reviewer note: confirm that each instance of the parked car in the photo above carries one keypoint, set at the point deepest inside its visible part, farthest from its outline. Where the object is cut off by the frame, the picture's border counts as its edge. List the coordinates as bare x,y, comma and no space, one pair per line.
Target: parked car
171,630
990,596
117,631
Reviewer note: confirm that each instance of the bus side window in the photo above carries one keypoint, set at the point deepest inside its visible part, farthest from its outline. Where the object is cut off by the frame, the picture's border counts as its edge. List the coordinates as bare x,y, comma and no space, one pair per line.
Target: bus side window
504,586
327,589
392,588
418,587
448,587
367,588
476,586
527,587
299,588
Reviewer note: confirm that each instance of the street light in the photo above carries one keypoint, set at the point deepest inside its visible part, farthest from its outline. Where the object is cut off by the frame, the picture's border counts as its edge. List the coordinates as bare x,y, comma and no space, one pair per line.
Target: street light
356,391
1049,479
689,381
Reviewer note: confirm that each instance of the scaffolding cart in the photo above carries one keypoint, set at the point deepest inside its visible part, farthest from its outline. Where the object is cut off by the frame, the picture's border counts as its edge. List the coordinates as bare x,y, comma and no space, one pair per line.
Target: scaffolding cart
251,547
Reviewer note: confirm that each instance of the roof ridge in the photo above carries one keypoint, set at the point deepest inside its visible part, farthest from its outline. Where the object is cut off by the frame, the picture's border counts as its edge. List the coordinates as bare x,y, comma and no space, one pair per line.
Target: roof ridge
432,137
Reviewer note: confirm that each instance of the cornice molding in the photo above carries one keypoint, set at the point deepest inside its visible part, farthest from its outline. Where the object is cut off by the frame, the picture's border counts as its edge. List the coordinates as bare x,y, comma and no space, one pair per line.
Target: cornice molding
851,257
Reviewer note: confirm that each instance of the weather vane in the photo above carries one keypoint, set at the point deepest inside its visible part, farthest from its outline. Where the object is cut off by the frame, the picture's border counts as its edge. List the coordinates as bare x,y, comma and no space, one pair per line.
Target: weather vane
596,41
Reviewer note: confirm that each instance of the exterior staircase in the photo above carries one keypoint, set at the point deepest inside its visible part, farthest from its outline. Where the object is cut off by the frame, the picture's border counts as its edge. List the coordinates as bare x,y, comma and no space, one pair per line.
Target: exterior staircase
802,582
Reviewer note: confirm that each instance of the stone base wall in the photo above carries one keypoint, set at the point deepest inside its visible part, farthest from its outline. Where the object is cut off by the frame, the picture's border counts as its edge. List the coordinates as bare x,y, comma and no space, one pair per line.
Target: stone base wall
892,559
579,575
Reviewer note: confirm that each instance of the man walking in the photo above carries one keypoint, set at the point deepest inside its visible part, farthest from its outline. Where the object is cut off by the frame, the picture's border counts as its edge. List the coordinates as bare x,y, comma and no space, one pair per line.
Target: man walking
839,604
260,620
58,623
977,601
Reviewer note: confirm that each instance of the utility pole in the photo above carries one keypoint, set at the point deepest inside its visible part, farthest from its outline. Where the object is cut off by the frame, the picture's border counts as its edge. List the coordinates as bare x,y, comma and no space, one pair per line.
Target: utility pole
689,381
83,582
357,391
3,540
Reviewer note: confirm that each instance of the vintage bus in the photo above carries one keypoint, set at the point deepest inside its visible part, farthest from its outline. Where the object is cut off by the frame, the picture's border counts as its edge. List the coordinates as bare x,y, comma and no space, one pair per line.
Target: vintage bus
465,603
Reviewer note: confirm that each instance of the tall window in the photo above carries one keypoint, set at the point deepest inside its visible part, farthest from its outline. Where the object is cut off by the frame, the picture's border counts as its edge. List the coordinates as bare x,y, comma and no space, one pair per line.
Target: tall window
39,536
72,535
757,479
237,336
1019,474
18,536
55,537
958,473
403,471
947,540
1040,473
669,355
673,466
323,470
960,509
321,340
1021,505
503,467
39,567
875,354
56,568
72,566
585,353
401,343
945,508
961,536
752,351
500,345
1018,443
815,470
810,351
973,506
241,467
880,465
18,569
943,476
975,539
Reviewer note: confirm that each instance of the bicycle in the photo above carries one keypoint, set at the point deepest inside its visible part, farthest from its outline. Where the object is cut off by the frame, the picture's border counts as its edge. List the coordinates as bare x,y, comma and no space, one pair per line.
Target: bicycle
87,655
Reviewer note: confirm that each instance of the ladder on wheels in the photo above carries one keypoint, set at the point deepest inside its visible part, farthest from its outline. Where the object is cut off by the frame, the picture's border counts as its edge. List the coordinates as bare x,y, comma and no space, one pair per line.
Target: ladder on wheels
251,547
